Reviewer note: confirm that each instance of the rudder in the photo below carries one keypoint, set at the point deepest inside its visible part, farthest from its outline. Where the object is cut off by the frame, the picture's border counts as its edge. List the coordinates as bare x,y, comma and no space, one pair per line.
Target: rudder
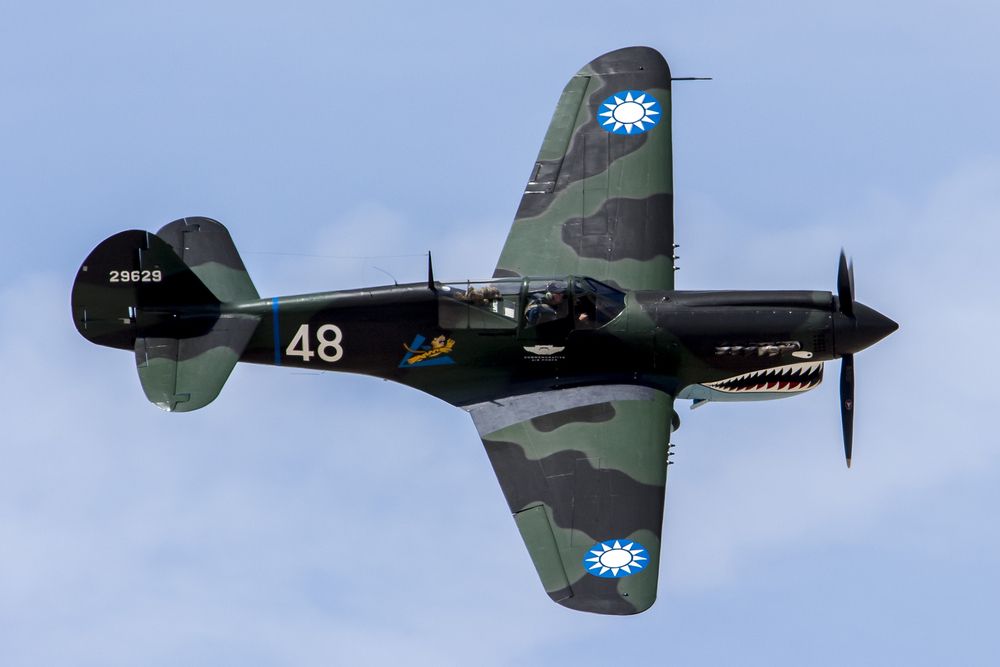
130,282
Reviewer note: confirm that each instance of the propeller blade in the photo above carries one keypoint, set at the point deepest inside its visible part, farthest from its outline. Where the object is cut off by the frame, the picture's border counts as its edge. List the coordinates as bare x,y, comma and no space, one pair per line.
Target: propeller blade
850,272
847,403
845,286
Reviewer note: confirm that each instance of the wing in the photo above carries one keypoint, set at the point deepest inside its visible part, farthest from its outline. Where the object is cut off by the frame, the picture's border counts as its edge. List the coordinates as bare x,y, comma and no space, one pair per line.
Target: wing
599,201
584,472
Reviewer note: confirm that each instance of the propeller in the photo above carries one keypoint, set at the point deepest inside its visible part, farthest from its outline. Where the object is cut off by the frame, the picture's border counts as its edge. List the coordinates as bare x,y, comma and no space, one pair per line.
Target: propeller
845,294
855,327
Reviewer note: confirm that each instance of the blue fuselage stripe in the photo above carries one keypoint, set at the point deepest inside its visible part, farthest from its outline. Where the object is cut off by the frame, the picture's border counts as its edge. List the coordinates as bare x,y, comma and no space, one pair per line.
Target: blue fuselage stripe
277,332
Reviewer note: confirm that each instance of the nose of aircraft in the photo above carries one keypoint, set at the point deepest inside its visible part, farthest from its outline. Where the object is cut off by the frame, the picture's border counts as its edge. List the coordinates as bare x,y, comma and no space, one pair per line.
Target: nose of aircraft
864,329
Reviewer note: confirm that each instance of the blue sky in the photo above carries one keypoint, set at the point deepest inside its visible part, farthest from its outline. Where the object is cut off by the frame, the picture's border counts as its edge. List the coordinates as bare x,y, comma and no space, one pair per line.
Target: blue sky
321,519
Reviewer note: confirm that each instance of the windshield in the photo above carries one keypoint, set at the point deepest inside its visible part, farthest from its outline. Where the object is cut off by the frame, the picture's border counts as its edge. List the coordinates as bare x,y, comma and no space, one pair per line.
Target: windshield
596,303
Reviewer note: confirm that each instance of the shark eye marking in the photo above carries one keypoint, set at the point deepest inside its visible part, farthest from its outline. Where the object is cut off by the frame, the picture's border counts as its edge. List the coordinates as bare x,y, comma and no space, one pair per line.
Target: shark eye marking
759,349
784,379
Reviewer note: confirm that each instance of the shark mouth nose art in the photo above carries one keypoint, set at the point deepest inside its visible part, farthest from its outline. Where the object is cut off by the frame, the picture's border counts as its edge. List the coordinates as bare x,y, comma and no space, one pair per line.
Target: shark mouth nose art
790,378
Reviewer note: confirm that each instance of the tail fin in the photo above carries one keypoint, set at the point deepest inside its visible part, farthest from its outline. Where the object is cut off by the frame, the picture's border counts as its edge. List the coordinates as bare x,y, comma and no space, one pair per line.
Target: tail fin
134,291
206,247
129,277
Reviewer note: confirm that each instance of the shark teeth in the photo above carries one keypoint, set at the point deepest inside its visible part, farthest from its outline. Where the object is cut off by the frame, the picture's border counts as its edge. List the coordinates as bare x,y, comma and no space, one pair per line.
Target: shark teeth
785,379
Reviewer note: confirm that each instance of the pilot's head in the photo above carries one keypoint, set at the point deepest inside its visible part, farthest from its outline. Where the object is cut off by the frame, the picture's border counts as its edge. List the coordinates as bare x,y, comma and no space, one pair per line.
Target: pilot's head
555,291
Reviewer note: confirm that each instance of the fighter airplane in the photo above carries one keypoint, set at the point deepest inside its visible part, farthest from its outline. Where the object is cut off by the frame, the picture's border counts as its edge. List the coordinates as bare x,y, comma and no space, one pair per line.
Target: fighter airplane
569,358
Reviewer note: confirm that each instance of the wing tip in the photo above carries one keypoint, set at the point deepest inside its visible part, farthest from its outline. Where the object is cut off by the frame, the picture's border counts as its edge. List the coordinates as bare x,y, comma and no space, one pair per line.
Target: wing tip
616,605
628,59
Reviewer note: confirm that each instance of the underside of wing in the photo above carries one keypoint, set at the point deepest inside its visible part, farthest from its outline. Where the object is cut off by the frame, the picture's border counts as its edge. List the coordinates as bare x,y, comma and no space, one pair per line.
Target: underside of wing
584,472
599,201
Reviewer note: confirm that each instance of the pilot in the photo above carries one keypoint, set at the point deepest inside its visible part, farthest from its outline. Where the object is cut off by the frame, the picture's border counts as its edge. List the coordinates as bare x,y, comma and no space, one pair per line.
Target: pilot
586,309
546,306
490,294
479,297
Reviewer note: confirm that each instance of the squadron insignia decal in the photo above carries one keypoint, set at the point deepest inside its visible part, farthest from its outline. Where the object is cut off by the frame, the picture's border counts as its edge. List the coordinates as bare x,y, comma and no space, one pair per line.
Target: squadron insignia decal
543,350
436,353
613,560
544,353
629,112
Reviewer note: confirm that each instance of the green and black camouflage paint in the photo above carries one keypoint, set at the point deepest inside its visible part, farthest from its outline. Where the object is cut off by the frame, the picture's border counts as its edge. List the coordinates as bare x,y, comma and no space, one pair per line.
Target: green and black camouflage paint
575,415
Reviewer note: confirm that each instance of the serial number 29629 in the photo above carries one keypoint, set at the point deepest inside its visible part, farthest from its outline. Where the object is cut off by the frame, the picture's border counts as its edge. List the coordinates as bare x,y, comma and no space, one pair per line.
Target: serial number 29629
135,276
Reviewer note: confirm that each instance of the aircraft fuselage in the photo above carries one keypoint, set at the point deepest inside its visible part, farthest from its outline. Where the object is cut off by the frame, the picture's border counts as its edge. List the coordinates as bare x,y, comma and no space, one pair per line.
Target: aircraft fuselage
467,352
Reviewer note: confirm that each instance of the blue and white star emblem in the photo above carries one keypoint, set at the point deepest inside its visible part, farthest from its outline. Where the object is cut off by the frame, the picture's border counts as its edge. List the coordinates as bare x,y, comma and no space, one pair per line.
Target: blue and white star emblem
629,112
615,559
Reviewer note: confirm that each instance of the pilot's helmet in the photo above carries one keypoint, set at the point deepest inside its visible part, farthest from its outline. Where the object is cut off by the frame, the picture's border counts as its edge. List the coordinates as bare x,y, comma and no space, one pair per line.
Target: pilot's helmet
556,287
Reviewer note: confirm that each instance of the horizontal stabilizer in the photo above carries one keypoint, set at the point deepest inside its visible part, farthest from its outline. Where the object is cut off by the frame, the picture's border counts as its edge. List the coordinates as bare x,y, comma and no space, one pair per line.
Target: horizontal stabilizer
206,247
184,374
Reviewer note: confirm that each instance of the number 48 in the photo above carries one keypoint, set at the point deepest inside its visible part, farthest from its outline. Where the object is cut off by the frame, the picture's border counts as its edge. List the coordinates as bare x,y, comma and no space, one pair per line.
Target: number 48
328,339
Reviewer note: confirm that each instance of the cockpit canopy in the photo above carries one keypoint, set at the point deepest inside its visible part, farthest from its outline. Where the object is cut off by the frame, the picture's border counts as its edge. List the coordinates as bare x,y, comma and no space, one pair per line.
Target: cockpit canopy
510,303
